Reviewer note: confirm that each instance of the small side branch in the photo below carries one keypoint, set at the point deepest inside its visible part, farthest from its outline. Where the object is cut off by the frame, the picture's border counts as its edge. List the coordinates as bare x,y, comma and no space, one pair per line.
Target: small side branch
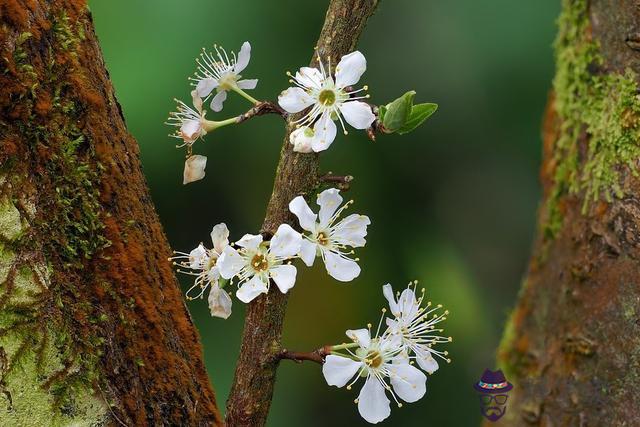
343,182
317,355
260,109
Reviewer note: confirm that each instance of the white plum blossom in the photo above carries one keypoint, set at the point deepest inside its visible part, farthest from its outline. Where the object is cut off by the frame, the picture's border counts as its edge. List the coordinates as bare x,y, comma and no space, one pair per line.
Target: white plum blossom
191,123
330,99
221,71
414,325
194,168
329,237
382,362
203,263
256,261
302,139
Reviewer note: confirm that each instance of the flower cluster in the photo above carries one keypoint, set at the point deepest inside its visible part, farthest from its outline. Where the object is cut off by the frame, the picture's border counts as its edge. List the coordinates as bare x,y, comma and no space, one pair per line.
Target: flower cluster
253,262
386,360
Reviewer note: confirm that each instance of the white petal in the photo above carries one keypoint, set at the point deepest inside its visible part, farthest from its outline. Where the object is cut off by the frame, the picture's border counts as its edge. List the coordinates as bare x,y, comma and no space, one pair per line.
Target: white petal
342,269
190,130
220,237
360,336
301,209
352,230
426,361
409,383
250,241
294,100
197,100
248,84
285,242
308,252
309,77
194,168
387,291
230,263
301,141
408,304
219,302
198,257
324,133
357,114
205,86
243,58
284,276
329,201
338,370
373,403
251,289
218,100
350,68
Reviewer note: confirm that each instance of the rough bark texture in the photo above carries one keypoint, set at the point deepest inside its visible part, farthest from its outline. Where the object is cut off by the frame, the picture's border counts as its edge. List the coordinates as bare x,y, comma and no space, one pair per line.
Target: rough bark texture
93,328
572,345
297,174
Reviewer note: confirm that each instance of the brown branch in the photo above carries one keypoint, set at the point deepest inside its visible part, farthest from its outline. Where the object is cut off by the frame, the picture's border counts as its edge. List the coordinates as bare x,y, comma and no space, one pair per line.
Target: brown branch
297,173
262,108
343,182
316,355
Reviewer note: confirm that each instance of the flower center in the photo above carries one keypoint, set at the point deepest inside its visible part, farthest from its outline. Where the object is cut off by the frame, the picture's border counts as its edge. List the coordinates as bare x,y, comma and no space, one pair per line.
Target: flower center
322,238
373,359
259,263
327,97
227,81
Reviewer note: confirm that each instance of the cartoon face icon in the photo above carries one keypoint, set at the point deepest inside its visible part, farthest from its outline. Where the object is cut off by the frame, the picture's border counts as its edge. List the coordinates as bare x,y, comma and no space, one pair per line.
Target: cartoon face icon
493,388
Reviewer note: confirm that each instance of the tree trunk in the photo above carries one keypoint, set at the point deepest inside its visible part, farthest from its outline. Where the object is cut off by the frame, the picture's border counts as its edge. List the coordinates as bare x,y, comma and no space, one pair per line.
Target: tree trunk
297,174
93,328
572,345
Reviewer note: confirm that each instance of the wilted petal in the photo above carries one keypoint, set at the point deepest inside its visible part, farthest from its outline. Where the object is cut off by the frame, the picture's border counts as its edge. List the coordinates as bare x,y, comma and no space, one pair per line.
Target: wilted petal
198,257
205,86
190,130
284,276
307,252
194,168
197,100
357,114
360,336
248,84
352,230
301,140
340,268
350,68
329,201
243,58
373,403
309,77
220,237
338,370
324,133
294,100
218,100
409,383
301,209
219,302
285,242
230,263
251,289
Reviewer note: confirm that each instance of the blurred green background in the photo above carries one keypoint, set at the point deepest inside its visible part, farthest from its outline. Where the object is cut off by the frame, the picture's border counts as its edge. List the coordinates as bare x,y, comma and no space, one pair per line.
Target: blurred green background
452,204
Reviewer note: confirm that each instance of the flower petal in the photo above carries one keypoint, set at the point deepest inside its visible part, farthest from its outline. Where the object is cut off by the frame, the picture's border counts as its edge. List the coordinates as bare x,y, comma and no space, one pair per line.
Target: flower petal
194,169
387,291
294,100
408,304
219,302
329,201
340,268
220,237
302,143
284,276
309,77
352,230
350,68
197,100
190,130
357,114
248,84
308,252
251,289
230,263
338,370
198,257
324,133
426,361
250,241
205,86
373,403
301,209
409,383
360,336
243,58
285,242
218,100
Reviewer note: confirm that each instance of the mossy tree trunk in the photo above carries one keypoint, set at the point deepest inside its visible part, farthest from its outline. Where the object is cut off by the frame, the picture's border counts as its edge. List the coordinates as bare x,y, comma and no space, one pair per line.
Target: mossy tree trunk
572,345
93,328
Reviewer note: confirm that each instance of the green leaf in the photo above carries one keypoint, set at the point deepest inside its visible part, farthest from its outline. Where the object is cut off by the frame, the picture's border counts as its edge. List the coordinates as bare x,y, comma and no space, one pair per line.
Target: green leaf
397,112
419,113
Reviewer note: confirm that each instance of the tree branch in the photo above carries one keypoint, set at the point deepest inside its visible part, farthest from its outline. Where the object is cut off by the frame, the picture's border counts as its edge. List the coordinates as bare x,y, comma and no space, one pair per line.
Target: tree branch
316,355
264,107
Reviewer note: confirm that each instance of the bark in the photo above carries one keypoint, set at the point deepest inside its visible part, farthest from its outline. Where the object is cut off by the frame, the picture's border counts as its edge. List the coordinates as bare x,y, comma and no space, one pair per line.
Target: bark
297,174
93,328
572,345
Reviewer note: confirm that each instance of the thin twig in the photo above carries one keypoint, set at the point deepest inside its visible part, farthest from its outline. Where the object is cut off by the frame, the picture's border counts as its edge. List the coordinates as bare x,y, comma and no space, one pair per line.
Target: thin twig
262,108
317,355
343,182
